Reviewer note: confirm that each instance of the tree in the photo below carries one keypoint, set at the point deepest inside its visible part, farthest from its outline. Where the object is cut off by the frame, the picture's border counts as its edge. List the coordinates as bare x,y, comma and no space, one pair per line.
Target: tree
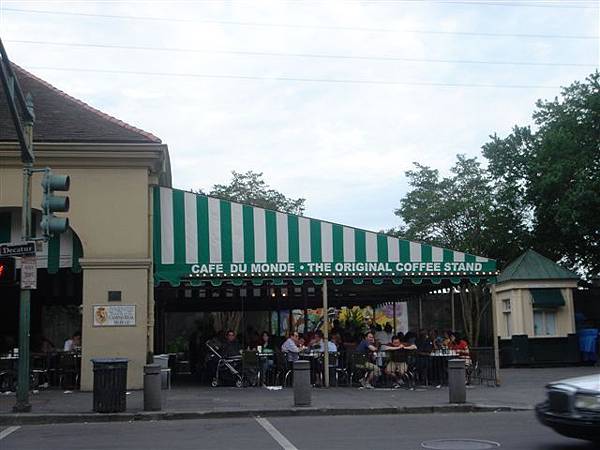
250,188
554,174
459,212
540,189
462,211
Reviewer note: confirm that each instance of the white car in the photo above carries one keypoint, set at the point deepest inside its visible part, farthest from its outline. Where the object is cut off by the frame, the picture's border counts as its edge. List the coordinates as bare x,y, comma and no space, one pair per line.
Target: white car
572,407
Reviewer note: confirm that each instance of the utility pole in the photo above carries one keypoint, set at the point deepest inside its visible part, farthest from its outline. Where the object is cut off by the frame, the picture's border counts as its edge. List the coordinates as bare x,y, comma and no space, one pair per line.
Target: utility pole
23,404
24,131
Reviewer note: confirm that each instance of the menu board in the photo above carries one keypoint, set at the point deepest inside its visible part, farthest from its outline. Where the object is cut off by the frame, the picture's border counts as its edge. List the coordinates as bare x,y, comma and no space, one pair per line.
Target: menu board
114,315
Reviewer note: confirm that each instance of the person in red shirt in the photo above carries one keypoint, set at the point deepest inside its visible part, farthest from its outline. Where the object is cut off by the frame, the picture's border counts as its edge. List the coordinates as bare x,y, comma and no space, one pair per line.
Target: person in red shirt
458,344
461,347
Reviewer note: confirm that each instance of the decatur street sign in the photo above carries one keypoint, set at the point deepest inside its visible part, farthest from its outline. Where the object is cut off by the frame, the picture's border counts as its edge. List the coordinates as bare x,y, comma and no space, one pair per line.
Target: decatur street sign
18,249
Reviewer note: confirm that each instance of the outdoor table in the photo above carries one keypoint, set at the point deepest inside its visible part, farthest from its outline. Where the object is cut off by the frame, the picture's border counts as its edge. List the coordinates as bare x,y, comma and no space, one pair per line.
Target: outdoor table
9,362
8,373
314,357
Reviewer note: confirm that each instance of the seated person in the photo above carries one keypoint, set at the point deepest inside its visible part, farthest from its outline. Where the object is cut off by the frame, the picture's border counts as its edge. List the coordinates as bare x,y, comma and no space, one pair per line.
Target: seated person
318,343
265,347
384,336
425,343
367,347
396,369
301,340
231,347
292,347
73,343
460,346
265,344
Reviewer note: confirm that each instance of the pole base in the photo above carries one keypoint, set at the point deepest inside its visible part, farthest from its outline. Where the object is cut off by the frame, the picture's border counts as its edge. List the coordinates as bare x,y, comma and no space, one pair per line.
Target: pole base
22,407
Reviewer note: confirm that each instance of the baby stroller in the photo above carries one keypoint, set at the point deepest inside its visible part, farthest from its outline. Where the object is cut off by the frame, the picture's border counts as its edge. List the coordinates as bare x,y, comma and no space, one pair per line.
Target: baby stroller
231,364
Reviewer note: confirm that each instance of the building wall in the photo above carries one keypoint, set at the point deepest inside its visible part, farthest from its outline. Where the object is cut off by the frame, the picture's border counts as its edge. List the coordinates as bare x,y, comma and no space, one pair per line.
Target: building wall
111,213
122,342
522,307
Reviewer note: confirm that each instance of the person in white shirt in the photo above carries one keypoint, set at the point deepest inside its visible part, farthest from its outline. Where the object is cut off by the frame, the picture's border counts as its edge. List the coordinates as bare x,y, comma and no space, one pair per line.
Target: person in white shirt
73,343
291,347
318,343
384,336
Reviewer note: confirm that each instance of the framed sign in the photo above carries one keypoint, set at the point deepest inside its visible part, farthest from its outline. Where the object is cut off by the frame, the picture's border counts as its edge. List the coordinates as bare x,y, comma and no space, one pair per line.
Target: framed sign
28,272
114,315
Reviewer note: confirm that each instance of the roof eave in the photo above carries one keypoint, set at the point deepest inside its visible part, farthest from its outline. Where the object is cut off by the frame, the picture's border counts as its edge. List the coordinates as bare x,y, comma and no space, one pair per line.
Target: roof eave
154,156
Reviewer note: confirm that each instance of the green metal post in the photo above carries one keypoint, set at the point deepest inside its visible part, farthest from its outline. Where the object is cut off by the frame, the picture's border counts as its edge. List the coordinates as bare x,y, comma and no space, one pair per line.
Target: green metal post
325,334
23,404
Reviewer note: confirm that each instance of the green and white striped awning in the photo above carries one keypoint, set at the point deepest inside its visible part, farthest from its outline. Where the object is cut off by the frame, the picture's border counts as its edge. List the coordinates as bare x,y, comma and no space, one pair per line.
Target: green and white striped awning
59,252
197,238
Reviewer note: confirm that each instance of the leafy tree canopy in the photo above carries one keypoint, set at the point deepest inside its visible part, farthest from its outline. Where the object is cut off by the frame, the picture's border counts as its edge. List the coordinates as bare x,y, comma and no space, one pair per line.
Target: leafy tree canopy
460,211
250,188
552,175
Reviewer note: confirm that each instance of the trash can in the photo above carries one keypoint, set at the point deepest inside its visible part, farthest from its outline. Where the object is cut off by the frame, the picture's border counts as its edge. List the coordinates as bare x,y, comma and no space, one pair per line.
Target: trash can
152,388
110,384
302,393
456,381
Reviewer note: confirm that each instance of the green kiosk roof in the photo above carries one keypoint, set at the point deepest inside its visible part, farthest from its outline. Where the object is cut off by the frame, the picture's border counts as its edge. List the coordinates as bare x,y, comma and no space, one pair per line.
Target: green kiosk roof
533,266
197,238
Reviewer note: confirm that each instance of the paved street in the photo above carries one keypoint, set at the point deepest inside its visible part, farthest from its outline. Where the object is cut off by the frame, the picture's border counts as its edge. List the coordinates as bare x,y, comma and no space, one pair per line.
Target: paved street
513,430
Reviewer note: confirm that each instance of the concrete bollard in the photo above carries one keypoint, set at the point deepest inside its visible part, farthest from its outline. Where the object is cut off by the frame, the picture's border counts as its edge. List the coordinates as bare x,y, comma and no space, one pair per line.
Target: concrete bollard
152,388
302,388
456,381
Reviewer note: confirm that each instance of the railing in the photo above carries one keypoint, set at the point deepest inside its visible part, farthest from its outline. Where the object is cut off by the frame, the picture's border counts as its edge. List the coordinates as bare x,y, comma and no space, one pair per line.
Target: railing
483,366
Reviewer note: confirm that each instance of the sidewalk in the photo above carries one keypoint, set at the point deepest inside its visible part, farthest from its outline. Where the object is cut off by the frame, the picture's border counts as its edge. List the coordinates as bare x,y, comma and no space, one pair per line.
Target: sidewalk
521,389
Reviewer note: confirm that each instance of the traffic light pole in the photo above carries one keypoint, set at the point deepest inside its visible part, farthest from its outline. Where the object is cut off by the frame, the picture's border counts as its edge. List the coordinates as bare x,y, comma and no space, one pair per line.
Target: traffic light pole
23,404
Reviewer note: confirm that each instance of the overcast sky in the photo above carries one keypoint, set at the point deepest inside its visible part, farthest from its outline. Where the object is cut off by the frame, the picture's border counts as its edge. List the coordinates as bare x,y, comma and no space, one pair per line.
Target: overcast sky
340,97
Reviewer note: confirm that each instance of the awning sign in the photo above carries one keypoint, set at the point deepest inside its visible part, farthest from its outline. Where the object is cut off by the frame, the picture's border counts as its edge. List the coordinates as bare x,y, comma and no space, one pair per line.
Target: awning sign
114,315
301,269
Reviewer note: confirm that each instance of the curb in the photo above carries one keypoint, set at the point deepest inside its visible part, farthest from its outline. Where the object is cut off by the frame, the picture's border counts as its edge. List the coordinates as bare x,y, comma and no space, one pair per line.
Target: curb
56,418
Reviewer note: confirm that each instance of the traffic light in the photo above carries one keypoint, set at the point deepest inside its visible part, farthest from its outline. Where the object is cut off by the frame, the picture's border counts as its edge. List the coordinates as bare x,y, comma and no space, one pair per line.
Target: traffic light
8,274
51,203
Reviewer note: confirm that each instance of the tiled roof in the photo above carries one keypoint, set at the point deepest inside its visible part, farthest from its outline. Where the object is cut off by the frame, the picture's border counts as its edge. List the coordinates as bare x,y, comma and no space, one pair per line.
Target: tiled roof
62,118
533,266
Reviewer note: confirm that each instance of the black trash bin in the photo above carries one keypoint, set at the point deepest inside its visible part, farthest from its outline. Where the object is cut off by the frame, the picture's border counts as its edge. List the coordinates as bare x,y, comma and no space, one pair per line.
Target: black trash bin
110,384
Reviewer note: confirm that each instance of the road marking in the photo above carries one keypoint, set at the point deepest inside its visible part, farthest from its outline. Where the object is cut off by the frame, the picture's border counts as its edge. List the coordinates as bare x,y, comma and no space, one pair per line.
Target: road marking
275,434
8,431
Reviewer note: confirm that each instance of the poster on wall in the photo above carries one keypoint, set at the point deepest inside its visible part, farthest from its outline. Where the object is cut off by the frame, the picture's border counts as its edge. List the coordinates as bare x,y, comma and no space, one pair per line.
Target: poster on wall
384,314
280,324
358,319
114,315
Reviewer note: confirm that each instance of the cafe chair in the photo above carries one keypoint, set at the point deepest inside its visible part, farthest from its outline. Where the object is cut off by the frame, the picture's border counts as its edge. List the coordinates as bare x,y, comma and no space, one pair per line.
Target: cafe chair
165,371
8,376
67,369
40,374
358,366
335,368
284,369
408,357
251,368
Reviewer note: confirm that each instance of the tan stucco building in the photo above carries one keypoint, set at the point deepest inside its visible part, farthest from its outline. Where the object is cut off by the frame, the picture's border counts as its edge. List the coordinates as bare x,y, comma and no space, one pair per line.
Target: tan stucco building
112,166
